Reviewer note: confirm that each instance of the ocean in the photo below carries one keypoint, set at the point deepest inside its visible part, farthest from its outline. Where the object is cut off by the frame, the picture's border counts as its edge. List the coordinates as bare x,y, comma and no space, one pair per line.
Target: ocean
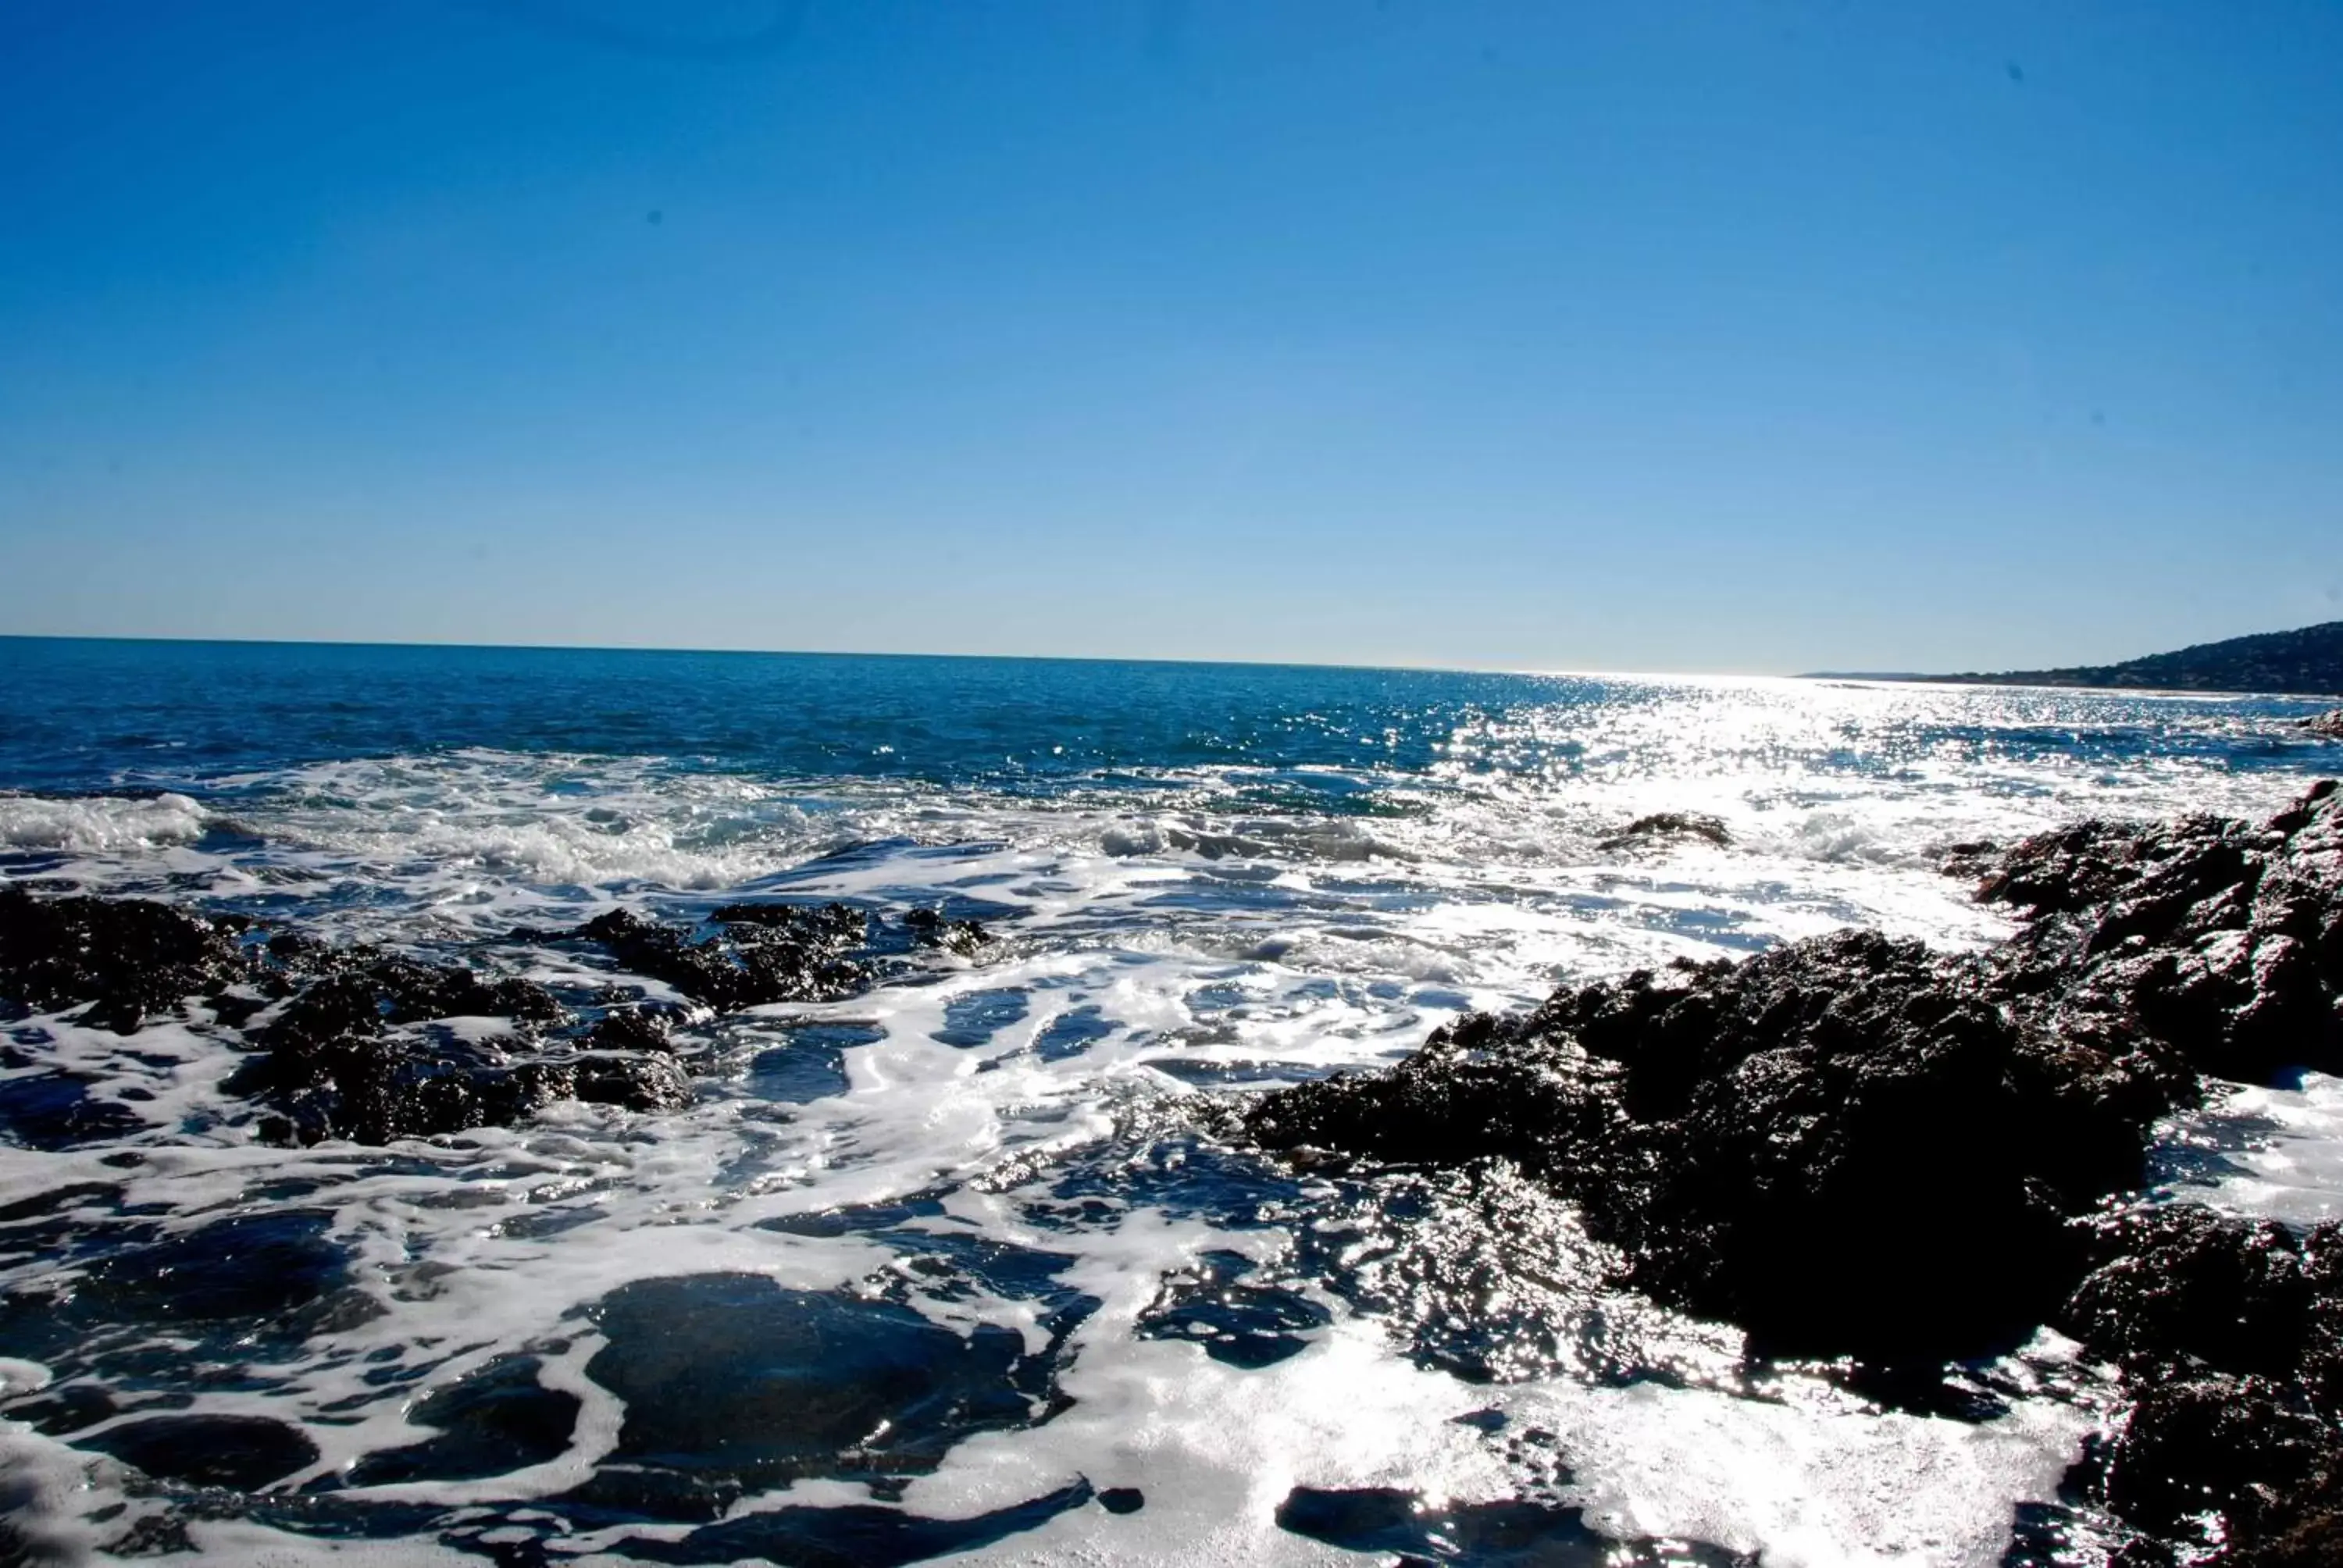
963,1262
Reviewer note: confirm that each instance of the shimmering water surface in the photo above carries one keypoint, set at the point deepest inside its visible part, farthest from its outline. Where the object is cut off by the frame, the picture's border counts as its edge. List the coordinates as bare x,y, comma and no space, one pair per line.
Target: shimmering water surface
961,1265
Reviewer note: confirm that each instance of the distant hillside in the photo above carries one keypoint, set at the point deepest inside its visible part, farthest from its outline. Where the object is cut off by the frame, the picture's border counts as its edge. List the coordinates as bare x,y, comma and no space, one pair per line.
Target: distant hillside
2308,662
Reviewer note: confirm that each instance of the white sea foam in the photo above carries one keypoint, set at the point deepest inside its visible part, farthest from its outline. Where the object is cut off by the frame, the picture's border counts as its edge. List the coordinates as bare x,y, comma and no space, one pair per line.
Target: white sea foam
2272,1153
1152,939
98,824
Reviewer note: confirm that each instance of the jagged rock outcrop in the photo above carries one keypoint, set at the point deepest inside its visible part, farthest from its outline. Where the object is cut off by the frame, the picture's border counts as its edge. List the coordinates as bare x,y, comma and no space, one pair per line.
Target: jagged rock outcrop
354,1042
2231,1334
1854,1146
127,959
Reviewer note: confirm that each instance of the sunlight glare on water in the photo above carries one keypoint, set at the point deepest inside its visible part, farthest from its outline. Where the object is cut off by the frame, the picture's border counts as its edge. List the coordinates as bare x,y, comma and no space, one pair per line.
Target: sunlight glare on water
1205,881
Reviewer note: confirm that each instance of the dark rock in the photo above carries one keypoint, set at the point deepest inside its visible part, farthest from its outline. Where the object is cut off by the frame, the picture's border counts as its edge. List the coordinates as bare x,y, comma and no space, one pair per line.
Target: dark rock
336,1067
1123,1499
2231,1334
634,1028
2307,1534
788,953
933,929
343,1037
1831,1145
240,1452
2205,945
1854,1146
128,958
2244,1449
377,1088
636,1082
1670,825
2178,1284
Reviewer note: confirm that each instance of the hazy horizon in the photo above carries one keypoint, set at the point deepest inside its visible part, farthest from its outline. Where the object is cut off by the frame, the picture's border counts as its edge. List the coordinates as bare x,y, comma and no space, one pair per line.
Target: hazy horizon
1727,338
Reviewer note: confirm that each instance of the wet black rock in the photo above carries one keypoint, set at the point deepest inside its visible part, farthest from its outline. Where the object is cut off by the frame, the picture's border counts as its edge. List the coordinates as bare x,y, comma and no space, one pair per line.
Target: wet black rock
1831,1145
2204,945
733,1383
2242,1450
933,929
1854,1146
380,1090
363,995
1670,825
128,958
2178,1284
2231,1334
335,1068
241,1452
760,953
640,1028
358,1043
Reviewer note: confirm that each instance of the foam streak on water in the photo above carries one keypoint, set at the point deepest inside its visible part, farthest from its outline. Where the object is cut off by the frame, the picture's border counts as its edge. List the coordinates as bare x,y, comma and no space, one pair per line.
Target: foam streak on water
1203,884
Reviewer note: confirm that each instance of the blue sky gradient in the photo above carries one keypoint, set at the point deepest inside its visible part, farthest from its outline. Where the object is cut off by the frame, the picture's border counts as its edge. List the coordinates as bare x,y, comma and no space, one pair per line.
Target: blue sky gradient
1670,337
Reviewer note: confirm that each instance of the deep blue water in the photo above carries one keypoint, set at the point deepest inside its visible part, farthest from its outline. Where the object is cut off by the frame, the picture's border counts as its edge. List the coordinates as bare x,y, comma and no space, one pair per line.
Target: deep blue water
85,714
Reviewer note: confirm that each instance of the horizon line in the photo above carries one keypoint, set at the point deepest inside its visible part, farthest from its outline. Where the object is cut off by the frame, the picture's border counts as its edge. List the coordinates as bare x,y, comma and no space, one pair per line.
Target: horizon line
1957,682
878,653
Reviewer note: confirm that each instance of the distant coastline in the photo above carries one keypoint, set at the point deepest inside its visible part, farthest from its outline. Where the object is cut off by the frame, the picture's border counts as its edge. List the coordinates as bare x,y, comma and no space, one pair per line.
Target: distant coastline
2307,662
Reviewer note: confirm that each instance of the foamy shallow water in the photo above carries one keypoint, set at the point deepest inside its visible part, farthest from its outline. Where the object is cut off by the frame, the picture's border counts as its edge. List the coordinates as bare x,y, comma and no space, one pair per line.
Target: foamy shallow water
1204,887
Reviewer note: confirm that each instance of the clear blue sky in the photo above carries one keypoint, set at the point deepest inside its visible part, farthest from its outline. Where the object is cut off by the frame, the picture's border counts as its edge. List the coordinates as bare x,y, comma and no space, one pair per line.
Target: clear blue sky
1745,336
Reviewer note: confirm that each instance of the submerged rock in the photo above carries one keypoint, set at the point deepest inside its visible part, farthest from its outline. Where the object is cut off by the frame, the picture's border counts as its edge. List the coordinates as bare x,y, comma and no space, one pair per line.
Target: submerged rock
1670,825
241,1452
501,1418
733,1383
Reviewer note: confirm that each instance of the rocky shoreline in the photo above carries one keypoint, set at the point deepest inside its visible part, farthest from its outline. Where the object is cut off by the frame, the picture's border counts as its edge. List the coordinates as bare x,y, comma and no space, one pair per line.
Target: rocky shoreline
338,1041
1852,1148
1856,1147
